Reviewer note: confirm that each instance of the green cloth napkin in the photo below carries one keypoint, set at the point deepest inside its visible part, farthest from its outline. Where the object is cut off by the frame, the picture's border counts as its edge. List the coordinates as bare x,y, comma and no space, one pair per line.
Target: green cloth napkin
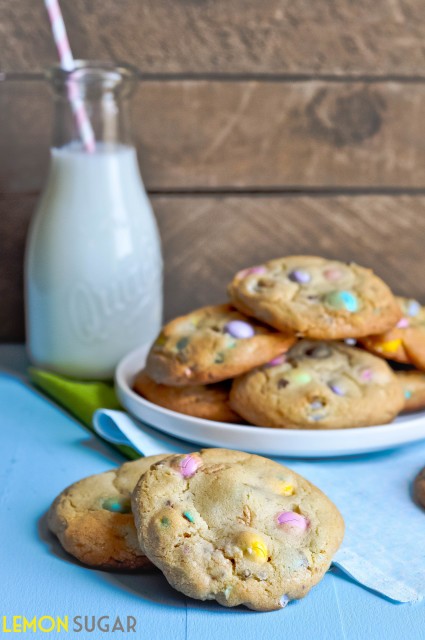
81,399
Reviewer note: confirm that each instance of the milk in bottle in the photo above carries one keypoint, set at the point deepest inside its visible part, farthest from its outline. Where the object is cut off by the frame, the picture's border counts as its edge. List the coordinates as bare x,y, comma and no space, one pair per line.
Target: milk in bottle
93,266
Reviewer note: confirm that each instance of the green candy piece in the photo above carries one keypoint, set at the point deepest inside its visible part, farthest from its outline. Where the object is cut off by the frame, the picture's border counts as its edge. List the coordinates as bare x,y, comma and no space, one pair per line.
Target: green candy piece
219,359
342,300
301,378
182,343
165,521
117,505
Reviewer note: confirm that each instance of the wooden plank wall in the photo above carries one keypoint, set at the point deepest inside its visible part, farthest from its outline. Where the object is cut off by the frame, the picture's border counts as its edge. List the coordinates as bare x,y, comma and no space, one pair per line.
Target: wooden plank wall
263,127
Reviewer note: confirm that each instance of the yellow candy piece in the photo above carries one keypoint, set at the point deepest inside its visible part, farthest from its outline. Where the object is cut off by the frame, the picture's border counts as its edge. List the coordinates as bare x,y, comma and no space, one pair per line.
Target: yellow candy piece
253,547
391,346
161,340
282,487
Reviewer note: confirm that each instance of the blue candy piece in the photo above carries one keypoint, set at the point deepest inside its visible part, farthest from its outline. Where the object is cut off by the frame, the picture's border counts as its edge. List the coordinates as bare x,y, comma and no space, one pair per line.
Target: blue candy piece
407,394
413,308
284,601
342,300
117,505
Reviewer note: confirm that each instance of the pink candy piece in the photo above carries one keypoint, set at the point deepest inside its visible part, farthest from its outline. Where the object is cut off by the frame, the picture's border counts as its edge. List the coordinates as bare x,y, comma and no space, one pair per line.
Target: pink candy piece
259,269
332,274
189,466
277,361
366,374
403,323
292,519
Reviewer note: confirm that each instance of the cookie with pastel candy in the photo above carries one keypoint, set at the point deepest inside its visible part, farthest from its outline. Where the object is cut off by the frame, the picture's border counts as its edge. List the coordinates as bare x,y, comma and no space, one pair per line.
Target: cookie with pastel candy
405,342
315,298
413,385
208,402
319,385
236,528
212,344
93,520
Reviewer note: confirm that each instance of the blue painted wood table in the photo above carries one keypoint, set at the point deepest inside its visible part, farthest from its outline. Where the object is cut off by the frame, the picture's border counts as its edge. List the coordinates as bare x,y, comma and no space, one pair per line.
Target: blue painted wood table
43,450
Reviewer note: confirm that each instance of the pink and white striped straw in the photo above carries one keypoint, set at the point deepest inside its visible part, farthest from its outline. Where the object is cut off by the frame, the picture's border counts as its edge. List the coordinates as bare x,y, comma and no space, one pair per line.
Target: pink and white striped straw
67,62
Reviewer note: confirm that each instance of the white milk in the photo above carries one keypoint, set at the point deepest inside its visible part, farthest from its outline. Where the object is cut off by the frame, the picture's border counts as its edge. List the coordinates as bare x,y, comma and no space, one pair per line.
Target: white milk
93,264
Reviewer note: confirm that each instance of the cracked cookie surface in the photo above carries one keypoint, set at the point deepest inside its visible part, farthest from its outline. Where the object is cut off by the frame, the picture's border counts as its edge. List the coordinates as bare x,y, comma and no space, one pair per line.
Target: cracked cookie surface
315,298
93,520
234,527
210,402
405,342
212,344
319,385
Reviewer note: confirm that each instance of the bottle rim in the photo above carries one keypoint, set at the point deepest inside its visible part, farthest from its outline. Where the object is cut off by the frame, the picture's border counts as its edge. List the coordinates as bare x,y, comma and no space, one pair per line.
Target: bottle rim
92,72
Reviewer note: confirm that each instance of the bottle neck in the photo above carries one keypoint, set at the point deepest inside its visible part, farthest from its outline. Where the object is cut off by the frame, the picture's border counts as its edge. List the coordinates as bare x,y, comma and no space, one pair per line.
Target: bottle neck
98,94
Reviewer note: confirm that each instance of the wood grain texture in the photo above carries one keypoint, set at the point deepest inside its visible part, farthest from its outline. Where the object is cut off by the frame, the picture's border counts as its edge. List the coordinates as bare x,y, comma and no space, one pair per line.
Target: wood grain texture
218,36
242,135
207,239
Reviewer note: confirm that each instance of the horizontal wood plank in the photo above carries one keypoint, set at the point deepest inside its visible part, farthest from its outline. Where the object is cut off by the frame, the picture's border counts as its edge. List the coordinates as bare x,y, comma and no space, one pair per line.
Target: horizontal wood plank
218,36
207,239
242,135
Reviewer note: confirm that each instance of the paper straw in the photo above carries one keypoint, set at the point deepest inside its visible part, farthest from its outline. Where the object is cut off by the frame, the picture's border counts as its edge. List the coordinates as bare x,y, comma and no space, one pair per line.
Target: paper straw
67,62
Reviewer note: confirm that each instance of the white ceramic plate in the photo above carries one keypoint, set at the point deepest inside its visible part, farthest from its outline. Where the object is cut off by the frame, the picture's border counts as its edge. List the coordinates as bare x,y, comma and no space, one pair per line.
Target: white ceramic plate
305,443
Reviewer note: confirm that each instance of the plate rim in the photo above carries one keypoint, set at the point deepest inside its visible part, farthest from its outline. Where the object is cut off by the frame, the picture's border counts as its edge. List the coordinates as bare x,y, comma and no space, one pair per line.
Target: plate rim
337,436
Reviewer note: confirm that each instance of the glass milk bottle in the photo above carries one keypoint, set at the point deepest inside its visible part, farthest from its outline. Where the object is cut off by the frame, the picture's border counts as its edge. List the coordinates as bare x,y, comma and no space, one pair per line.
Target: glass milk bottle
93,266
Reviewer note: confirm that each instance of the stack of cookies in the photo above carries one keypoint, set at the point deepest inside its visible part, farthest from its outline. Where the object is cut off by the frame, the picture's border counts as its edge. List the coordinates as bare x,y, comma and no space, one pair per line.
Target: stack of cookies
221,525
282,353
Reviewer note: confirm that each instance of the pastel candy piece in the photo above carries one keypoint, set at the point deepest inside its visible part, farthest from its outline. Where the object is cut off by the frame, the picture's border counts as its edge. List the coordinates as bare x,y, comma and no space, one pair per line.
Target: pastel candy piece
337,388
161,340
332,274
319,352
316,404
286,489
403,323
292,519
188,516
390,346
253,547
276,361
239,329
351,342
189,466
182,343
257,270
299,276
366,374
117,505
342,300
407,394
413,308
300,377
283,601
